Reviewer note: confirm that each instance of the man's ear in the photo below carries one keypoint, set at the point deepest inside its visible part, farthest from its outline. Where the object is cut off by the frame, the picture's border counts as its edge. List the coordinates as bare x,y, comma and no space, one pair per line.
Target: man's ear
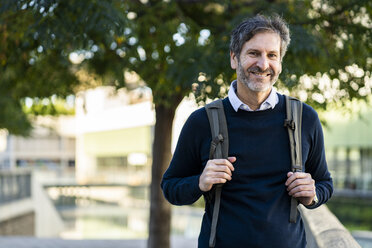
233,60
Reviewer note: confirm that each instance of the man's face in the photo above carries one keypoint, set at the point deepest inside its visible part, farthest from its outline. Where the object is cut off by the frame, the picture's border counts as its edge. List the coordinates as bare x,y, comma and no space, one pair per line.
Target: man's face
259,64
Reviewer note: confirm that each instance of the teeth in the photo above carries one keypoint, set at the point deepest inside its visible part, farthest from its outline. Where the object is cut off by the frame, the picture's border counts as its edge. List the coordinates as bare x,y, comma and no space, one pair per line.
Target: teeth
261,75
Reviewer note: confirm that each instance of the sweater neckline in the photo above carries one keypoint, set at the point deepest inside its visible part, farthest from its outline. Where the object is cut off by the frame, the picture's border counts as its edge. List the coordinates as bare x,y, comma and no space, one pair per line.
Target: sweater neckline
277,108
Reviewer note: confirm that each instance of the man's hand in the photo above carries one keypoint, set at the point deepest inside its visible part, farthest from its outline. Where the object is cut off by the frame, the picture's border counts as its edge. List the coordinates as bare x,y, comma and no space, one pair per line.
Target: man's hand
301,186
216,171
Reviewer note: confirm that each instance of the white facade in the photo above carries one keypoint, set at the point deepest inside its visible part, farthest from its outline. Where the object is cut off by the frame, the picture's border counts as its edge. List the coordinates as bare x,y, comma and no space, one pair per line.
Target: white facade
51,145
109,140
106,123
115,134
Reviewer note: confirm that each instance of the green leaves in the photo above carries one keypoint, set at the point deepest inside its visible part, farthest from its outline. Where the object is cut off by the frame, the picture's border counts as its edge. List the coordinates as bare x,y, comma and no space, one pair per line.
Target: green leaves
175,47
12,117
37,38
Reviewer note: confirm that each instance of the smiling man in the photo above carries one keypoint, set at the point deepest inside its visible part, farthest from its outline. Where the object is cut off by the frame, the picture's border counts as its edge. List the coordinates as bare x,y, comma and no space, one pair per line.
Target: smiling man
257,180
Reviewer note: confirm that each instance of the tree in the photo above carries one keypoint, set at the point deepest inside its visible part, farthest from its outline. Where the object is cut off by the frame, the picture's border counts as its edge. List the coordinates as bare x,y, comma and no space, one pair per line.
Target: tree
36,40
176,47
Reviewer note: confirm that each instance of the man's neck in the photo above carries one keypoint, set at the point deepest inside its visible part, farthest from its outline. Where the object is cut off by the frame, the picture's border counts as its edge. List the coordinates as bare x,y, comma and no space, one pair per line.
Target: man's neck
253,99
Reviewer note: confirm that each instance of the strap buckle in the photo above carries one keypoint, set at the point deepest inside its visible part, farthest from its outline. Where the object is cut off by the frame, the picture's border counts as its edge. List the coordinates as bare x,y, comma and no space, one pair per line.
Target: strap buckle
296,168
290,123
218,139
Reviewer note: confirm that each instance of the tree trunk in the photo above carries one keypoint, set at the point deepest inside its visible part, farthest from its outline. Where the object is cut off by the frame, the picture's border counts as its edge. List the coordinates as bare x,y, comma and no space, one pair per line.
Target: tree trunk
160,210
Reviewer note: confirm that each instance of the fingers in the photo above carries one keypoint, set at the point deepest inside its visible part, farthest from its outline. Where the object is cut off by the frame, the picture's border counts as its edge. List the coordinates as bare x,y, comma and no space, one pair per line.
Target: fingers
298,178
300,185
226,162
302,191
210,180
216,171
219,168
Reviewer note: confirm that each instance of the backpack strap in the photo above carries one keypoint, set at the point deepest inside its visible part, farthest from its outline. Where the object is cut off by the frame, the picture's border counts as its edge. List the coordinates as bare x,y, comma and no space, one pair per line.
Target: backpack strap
293,122
219,149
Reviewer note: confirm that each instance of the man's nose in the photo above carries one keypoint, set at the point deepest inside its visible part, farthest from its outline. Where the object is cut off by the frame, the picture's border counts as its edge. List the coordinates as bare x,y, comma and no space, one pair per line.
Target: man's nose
263,63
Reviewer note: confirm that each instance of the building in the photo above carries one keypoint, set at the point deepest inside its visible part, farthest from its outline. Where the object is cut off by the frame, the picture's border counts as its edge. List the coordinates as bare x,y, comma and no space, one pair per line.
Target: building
50,146
115,133
348,141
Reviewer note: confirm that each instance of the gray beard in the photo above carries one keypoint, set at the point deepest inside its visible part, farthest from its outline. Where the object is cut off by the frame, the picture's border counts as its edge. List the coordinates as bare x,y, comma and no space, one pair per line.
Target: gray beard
253,85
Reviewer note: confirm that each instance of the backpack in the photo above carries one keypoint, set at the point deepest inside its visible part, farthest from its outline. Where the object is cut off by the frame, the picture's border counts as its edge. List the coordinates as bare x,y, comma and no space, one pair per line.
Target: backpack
220,147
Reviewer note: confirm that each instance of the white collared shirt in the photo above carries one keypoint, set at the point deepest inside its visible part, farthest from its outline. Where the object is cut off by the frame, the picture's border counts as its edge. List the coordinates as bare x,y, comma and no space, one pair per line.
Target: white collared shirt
236,103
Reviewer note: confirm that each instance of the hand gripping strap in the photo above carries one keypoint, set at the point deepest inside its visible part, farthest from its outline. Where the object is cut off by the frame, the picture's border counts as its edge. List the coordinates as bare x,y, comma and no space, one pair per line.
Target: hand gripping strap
219,149
293,122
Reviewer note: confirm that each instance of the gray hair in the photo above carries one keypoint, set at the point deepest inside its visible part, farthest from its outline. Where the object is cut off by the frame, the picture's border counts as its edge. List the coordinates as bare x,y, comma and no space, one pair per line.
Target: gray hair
252,26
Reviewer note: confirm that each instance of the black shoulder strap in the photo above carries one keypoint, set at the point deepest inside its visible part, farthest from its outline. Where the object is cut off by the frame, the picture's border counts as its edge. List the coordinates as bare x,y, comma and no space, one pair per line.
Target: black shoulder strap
218,124
293,122
219,149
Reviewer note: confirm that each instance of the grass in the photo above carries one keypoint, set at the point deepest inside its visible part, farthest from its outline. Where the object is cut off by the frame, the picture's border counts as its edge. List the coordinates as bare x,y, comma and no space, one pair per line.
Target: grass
354,213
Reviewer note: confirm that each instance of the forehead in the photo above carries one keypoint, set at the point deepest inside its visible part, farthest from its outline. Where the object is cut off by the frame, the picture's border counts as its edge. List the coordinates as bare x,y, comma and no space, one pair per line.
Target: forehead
263,41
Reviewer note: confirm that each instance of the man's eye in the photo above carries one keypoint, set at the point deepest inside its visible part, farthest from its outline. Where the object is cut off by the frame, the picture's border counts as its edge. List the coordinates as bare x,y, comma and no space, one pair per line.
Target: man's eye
253,53
272,55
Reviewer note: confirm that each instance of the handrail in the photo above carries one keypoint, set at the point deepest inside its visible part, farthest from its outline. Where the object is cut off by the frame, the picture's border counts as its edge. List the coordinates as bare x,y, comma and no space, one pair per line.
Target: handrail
14,185
324,230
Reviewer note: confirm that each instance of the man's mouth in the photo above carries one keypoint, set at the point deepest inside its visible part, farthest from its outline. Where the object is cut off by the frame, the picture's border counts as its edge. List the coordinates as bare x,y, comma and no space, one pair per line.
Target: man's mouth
256,71
260,74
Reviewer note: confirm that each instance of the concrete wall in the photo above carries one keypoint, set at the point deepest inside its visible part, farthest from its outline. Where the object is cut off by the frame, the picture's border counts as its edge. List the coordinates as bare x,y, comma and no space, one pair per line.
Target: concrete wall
22,225
17,218
324,230
48,222
33,216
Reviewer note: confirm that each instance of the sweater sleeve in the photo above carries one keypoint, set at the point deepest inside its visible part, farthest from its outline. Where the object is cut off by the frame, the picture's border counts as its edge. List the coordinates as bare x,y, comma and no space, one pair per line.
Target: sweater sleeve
316,163
180,183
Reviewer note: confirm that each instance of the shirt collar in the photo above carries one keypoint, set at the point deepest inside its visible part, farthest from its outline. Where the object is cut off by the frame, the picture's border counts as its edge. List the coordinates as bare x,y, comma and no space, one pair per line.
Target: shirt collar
236,103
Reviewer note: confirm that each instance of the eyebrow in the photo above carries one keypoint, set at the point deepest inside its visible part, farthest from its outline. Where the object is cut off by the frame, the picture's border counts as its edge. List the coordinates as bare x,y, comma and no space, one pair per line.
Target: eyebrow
256,50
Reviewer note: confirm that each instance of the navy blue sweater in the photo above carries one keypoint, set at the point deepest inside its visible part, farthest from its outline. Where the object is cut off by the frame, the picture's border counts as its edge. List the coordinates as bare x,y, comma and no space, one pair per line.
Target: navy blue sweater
255,204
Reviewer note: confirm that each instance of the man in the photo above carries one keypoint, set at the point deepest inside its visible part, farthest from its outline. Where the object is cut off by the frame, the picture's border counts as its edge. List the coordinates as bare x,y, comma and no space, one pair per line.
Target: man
257,182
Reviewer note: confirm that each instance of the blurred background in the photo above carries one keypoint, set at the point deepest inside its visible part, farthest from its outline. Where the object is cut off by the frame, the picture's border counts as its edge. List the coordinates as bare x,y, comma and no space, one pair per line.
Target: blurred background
93,95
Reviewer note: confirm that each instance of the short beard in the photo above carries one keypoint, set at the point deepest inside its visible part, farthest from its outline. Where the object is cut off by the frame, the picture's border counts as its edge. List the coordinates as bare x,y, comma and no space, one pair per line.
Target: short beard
244,77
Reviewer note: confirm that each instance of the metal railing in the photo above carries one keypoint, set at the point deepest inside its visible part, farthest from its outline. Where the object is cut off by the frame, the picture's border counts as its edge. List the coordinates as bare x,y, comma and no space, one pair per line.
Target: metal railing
14,185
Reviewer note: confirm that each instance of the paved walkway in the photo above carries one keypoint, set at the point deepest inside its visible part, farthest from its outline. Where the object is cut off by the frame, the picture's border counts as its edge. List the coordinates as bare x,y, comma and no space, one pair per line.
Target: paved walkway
31,242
